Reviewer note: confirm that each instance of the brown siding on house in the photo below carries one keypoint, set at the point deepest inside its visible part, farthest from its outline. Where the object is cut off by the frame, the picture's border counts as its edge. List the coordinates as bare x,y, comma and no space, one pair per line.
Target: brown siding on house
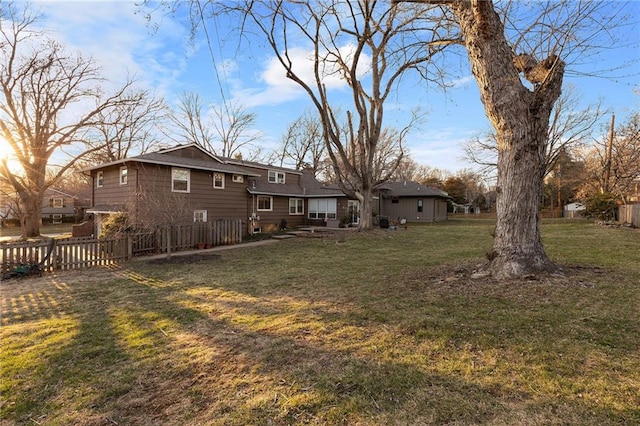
220,203
441,209
149,199
227,203
407,208
270,221
112,193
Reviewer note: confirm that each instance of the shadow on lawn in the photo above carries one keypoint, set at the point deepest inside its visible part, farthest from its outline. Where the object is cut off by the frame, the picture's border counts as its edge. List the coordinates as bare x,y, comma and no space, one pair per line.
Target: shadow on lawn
61,355
228,357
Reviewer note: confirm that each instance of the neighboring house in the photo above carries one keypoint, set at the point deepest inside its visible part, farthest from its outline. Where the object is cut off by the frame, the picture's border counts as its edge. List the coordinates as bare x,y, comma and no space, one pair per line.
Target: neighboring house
187,184
58,206
412,202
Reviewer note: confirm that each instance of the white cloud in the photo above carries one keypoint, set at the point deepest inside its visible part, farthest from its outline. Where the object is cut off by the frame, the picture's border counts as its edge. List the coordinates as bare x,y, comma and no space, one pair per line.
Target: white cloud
118,38
442,149
461,82
278,88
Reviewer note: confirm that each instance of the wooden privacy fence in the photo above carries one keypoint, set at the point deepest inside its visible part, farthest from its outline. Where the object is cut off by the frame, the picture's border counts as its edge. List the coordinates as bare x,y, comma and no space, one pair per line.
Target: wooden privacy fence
77,253
629,213
73,253
187,237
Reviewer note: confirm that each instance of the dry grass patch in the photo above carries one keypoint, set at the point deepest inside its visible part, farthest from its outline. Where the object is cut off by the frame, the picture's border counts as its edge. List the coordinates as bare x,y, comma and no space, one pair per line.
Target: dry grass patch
385,328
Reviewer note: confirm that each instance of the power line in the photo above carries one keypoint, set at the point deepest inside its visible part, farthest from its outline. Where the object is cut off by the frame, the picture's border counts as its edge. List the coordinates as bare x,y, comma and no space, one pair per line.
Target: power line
213,59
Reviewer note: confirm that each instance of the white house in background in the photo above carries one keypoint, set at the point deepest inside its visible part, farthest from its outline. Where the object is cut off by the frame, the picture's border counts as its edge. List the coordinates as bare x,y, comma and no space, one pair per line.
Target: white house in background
572,210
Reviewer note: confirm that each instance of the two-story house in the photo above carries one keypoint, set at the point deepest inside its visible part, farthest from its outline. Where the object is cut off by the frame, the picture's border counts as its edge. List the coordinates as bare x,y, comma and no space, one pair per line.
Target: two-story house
188,184
58,206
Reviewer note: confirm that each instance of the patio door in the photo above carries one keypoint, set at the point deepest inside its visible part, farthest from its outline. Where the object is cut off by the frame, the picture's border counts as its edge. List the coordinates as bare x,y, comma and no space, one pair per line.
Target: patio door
353,210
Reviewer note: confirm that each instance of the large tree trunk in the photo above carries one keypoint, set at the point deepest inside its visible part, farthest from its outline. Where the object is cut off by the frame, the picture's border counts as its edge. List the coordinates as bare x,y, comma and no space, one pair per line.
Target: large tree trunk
520,117
366,212
31,215
517,249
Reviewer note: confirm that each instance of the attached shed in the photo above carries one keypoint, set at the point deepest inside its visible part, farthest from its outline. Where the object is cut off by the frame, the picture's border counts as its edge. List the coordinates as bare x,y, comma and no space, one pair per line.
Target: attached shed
411,201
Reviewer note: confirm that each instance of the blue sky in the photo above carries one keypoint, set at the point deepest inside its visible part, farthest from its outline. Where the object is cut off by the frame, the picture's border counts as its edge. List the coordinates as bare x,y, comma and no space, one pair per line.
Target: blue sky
165,62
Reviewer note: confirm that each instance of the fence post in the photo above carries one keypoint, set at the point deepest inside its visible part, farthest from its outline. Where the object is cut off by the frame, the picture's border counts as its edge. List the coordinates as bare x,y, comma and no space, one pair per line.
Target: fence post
53,259
129,247
168,239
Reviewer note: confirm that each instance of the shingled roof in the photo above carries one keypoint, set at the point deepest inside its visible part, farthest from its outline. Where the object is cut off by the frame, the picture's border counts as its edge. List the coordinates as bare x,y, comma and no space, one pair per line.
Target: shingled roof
308,187
167,159
410,189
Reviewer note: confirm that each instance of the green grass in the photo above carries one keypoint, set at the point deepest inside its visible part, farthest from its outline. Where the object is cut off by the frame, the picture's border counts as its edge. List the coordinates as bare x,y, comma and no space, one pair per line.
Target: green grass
14,231
386,328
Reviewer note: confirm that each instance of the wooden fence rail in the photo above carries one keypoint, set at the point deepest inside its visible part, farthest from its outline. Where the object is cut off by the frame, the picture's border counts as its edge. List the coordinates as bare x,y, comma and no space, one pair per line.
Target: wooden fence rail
629,213
66,254
85,252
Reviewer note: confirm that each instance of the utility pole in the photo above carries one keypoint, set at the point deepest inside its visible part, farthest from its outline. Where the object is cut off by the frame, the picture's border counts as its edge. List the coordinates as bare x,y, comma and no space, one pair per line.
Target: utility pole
607,176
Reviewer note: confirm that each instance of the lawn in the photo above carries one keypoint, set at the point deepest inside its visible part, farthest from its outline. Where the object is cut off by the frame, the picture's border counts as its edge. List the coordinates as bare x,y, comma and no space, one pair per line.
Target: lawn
387,328
14,232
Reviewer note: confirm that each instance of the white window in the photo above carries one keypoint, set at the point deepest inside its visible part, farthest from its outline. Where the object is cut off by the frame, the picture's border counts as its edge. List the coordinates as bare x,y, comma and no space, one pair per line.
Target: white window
56,203
265,203
199,215
218,180
99,179
296,206
123,175
180,180
238,178
322,208
56,218
276,177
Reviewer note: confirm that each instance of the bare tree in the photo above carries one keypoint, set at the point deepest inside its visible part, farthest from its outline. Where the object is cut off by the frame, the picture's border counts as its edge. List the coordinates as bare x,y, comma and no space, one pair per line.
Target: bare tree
570,127
225,130
407,170
302,145
154,207
622,161
389,153
126,129
9,203
518,59
234,126
365,45
189,119
40,84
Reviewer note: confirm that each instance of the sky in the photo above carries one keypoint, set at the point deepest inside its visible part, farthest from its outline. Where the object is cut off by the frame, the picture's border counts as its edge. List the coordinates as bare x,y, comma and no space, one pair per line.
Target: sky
165,61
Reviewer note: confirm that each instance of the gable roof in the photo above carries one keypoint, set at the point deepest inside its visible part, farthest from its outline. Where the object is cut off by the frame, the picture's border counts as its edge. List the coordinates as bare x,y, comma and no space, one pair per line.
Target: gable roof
308,187
166,159
59,193
254,164
410,189
190,145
